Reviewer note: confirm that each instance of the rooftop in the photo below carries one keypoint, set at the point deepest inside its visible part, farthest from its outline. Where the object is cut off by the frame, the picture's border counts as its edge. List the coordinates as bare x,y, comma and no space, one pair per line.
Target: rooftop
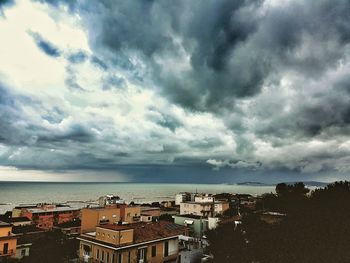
204,203
116,227
56,209
74,223
17,219
190,216
4,224
26,229
144,232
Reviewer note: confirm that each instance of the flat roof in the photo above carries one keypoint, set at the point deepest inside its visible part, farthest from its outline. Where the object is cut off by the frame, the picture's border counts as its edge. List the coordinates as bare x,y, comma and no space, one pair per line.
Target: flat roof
115,227
190,216
18,219
143,232
203,203
56,209
4,224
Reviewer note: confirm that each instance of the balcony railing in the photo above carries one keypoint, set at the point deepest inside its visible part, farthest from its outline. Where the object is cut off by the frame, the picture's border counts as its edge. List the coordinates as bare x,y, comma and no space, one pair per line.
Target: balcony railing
7,253
136,218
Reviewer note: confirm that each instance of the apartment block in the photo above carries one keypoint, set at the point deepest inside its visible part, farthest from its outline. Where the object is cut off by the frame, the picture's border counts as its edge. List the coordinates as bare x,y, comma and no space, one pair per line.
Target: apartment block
204,209
45,216
155,242
91,217
8,241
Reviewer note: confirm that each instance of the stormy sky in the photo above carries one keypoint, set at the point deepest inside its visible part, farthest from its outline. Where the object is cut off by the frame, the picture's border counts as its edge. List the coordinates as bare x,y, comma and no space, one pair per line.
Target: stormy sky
175,91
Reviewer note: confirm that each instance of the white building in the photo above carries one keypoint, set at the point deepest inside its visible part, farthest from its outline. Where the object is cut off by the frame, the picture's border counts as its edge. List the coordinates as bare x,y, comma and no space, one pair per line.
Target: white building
204,198
203,208
182,197
110,200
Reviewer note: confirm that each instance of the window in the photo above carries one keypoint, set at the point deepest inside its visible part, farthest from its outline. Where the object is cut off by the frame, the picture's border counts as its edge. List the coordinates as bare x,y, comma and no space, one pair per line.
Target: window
107,256
120,258
97,254
23,252
166,248
103,255
154,251
129,257
141,254
6,248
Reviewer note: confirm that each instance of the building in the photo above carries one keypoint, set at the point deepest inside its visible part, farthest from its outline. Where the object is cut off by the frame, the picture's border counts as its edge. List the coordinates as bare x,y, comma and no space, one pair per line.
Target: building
91,217
146,218
70,229
110,200
26,236
196,225
8,241
152,211
139,242
45,216
204,209
182,197
204,198
15,221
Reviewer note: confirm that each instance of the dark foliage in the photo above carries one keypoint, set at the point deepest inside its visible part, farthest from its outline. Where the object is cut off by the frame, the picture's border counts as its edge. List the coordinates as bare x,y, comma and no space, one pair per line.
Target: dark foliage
53,248
316,228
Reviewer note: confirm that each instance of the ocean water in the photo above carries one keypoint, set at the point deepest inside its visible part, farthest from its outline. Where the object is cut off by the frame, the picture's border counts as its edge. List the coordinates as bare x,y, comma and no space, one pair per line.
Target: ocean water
81,194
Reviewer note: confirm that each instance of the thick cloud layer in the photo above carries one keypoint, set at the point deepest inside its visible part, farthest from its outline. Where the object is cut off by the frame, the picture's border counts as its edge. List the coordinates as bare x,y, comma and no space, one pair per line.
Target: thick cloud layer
258,86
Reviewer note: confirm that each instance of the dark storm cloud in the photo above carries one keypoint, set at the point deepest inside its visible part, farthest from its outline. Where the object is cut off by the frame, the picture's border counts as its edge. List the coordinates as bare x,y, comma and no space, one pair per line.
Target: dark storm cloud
5,3
266,69
234,47
45,46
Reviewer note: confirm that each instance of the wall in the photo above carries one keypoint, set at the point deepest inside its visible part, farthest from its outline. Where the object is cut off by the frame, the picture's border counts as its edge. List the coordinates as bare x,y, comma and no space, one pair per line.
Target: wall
196,229
22,251
12,242
90,218
4,231
194,209
114,237
132,252
130,213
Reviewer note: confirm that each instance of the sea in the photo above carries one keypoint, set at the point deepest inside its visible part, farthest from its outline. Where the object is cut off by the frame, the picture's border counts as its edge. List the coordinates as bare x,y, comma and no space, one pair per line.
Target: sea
83,194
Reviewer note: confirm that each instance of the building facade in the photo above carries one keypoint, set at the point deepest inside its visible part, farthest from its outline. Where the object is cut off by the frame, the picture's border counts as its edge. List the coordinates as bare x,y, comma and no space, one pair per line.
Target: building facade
8,241
204,209
138,242
91,217
197,225
45,216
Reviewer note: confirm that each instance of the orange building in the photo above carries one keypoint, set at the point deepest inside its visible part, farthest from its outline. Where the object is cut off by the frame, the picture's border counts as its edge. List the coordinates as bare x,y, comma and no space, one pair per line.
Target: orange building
91,217
45,216
8,241
138,242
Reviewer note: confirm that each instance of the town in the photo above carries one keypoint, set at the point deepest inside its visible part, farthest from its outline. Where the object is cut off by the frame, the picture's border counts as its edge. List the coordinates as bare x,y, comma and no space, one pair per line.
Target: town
113,231
194,227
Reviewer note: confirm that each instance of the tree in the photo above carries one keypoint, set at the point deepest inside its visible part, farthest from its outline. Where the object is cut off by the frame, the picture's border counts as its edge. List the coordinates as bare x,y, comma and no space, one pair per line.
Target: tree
227,244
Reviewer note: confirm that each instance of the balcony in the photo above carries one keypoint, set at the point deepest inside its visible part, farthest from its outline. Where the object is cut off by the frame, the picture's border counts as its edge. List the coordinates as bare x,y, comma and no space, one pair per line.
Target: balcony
7,253
136,218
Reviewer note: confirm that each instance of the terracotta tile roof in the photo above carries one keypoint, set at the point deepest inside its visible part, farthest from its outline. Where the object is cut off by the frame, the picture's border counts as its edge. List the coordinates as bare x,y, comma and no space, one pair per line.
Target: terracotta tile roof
144,232
115,227
161,229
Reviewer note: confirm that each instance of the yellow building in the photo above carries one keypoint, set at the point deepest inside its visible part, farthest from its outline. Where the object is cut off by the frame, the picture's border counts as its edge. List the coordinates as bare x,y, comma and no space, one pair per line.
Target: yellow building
129,243
91,217
8,241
